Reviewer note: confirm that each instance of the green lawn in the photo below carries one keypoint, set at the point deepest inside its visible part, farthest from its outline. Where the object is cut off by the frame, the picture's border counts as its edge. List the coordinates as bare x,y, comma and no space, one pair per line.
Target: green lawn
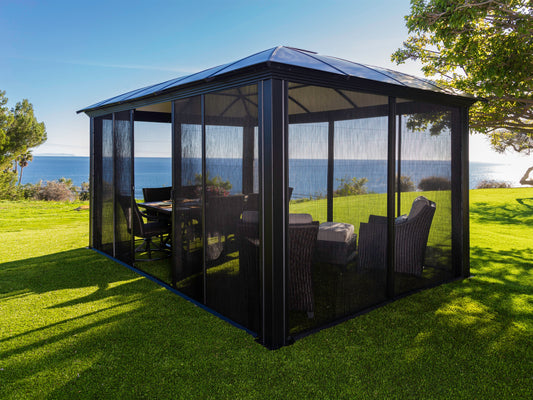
73,324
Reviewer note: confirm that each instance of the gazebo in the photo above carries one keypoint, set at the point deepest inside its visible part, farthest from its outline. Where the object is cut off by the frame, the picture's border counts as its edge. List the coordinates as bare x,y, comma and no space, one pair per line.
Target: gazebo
305,189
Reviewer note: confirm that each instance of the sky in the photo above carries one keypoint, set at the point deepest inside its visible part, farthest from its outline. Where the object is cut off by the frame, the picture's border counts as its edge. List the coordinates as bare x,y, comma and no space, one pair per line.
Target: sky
63,56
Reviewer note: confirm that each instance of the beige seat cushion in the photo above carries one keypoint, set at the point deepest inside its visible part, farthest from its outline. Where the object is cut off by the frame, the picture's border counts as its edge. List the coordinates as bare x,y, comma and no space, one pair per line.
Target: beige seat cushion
335,231
253,217
300,218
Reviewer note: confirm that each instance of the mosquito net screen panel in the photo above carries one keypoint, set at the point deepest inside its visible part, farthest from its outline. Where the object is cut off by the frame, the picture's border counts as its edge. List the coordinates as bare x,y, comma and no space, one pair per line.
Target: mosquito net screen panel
424,223
338,172
231,248
123,185
107,186
152,184
187,245
96,184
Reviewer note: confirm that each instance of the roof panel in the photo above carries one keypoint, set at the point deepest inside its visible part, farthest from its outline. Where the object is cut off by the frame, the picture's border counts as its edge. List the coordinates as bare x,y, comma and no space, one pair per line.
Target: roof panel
301,58
287,56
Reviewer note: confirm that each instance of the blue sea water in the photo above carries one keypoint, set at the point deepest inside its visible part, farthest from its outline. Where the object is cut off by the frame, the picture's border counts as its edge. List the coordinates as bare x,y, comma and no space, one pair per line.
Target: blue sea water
308,177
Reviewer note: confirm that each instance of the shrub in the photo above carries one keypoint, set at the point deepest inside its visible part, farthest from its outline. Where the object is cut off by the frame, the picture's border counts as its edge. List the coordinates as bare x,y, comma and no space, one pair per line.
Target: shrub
55,191
434,183
84,192
406,184
492,184
29,190
350,187
215,186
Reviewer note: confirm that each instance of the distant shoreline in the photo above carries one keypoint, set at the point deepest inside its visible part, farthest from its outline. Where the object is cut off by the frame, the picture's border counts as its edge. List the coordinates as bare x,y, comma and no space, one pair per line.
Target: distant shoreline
156,171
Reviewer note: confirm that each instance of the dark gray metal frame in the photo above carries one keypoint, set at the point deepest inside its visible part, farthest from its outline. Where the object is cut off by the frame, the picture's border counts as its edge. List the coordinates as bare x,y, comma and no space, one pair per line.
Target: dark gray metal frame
272,81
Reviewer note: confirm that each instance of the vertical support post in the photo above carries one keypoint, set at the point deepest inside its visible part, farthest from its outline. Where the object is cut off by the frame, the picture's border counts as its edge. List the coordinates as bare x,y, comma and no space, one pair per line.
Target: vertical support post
399,172
460,193
274,218
114,197
95,183
177,245
391,170
331,155
92,204
204,201
248,159
132,183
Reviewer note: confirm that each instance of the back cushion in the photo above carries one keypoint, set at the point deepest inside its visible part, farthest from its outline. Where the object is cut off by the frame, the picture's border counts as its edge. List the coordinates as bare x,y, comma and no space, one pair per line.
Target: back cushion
418,204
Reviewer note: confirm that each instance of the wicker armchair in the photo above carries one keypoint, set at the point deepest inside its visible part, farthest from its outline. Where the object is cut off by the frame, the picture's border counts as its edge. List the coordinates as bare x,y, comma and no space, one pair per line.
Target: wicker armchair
303,233
412,234
302,243
249,271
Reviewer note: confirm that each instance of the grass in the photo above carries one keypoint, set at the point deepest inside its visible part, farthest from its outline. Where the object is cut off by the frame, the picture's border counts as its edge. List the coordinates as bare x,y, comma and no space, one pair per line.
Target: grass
75,325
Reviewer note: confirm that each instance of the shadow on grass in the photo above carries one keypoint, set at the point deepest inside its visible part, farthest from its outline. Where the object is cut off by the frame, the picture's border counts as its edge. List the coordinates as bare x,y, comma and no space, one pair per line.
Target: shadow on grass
509,213
125,332
79,268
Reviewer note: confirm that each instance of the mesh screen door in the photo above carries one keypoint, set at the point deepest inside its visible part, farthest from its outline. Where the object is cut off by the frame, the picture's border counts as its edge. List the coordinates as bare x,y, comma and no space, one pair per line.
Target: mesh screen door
338,175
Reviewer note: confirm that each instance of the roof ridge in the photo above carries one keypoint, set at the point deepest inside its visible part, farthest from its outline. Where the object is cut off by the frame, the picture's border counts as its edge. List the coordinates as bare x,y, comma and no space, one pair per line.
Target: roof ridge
322,61
236,62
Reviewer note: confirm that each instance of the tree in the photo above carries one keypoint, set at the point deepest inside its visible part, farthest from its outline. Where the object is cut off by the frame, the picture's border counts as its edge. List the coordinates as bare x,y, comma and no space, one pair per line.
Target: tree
23,161
484,48
351,187
19,131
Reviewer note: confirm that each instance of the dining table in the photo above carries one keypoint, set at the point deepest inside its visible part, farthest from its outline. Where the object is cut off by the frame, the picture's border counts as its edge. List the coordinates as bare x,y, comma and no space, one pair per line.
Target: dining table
165,207
189,213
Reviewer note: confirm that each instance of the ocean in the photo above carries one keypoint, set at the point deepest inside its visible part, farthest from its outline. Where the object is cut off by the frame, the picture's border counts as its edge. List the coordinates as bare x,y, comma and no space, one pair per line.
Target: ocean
308,177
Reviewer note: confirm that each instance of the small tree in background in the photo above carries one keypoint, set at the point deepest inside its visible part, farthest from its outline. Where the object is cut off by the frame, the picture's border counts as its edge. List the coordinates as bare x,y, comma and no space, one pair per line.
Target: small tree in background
23,161
19,132
351,187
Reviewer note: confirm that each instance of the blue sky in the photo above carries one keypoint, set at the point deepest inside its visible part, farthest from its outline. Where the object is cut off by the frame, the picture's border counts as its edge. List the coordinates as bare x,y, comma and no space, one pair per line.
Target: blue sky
63,56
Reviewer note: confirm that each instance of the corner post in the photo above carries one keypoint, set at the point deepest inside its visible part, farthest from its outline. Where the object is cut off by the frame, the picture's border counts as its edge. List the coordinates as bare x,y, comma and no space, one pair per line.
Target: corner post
460,193
391,171
274,216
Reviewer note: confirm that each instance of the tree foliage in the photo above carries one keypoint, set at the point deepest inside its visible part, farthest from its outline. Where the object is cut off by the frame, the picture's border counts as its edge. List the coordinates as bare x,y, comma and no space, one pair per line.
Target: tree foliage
351,187
481,47
19,131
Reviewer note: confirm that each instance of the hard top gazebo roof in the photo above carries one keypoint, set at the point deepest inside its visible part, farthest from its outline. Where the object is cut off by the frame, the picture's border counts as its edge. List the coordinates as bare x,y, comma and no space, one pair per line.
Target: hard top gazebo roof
282,57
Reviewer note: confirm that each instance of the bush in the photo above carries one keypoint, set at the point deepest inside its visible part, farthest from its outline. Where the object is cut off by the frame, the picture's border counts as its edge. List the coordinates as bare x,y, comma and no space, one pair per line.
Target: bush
492,184
56,191
406,184
434,183
214,186
29,190
84,192
351,187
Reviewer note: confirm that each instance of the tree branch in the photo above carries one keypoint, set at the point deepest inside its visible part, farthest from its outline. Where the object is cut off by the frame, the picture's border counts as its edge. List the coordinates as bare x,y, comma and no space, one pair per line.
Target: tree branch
525,179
